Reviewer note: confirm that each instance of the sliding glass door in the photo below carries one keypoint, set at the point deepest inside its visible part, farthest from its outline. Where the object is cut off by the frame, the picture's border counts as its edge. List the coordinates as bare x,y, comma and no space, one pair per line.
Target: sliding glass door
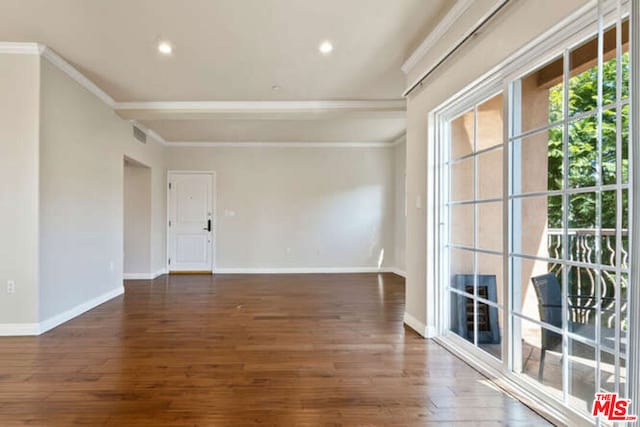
474,209
569,210
534,224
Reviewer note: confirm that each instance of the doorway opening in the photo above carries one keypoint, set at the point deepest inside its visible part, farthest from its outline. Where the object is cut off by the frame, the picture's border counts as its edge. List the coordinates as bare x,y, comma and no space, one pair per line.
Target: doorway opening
137,220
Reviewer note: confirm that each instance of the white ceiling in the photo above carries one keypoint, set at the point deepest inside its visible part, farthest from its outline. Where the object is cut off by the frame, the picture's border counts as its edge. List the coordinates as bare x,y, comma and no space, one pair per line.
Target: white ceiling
235,50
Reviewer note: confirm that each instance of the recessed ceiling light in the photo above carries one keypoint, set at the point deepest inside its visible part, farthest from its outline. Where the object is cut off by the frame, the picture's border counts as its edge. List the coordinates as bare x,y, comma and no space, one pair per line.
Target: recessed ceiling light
325,47
165,48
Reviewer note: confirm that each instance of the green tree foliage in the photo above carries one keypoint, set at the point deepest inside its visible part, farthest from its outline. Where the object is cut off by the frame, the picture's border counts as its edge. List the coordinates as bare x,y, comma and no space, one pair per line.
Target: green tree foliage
583,146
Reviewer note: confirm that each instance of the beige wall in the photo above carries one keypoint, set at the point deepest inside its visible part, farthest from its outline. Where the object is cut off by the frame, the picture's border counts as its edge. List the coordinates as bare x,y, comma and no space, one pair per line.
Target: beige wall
513,28
137,219
19,117
82,148
299,207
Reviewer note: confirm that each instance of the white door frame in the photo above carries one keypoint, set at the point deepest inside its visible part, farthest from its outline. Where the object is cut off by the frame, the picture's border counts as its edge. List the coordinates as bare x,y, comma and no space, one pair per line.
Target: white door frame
214,221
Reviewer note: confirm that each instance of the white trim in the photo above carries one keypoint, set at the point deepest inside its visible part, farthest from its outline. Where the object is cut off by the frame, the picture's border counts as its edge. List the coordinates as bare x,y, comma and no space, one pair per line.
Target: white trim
21,329
482,20
137,276
379,105
79,309
76,75
303,270
397,271
418,326
144,276
264,106
160,272
434,36
16,48
255,144
633,348
401,139
18,329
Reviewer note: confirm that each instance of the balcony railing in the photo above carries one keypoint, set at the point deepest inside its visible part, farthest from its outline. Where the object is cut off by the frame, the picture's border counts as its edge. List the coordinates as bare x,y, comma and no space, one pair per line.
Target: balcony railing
585,257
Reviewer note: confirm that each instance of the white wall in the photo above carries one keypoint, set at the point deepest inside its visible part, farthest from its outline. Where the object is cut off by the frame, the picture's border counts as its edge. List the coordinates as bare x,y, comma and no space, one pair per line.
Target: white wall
299,207
19,117
400,170
82,148
519,23
137,219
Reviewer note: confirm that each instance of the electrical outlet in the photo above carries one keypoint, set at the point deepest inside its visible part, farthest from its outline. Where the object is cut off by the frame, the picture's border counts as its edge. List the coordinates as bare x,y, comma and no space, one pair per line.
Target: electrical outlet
11,287
112,266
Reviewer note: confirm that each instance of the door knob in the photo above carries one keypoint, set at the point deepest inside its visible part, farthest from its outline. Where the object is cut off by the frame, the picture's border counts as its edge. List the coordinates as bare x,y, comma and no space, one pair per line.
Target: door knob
208,227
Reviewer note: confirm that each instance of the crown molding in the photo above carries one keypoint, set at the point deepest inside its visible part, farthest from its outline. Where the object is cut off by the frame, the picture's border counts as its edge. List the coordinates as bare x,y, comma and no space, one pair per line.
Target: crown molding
17,48
76,75
265,106
128,110
434,36
399,140
253,144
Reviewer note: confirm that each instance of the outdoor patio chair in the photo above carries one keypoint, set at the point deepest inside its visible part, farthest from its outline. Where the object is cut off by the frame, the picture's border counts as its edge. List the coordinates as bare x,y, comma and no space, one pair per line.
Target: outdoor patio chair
550,309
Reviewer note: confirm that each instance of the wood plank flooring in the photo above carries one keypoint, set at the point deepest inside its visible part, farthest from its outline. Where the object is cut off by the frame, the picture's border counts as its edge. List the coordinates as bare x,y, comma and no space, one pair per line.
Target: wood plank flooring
242,350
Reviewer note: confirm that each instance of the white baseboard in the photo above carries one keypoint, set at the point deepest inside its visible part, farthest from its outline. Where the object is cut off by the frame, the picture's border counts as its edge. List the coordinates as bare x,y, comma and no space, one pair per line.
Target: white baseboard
18,329
21,329
58,319
309,270
143,276
397,271
422,329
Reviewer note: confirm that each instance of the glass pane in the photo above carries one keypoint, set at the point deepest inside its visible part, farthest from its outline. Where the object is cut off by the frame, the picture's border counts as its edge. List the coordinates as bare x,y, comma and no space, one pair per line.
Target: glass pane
462,135
625,143
462,315
607,372
490,168
490,329
613,379
609,147
541,351
582,228
490,226
461,263
583,153
462,180
461,231
582,303
624,318
608,307
582,375
537,162
490,280
541,97
537,291
489,123
610,63
625,229
608,232
537,230
583,84
625,59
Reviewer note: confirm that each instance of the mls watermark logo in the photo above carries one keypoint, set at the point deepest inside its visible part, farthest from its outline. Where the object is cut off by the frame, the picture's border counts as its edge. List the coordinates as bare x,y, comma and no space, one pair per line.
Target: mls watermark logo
612,408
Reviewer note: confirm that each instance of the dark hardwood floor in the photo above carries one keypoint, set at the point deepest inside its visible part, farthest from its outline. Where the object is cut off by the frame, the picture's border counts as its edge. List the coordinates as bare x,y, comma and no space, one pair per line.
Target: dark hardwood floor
239,350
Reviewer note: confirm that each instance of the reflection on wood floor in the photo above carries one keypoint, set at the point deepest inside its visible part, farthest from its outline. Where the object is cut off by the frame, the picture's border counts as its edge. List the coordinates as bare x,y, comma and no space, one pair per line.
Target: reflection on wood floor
242,350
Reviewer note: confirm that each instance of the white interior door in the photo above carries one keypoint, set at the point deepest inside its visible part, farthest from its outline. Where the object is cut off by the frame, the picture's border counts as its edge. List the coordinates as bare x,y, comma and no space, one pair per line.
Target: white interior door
190,233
